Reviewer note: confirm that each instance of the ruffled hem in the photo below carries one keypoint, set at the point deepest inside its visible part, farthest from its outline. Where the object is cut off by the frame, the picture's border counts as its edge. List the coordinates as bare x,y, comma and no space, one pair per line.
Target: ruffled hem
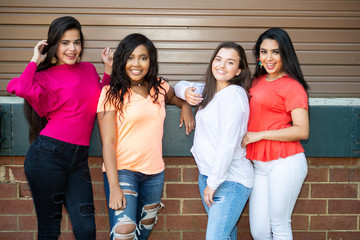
266,150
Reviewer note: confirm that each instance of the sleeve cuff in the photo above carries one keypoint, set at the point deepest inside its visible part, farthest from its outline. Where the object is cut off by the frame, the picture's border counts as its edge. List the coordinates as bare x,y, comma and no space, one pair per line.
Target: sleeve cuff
180,89
213,183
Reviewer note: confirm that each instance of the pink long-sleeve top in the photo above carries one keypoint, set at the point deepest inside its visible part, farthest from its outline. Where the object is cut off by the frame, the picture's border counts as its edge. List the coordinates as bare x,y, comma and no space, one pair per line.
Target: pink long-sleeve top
67,95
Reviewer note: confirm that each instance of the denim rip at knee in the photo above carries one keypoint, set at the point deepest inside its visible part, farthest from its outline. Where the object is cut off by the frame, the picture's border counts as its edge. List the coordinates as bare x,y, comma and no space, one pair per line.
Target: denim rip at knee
229,201
143,195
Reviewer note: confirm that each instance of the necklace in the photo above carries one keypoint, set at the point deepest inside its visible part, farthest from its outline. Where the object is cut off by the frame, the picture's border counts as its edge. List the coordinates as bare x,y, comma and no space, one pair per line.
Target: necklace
138,84
267,77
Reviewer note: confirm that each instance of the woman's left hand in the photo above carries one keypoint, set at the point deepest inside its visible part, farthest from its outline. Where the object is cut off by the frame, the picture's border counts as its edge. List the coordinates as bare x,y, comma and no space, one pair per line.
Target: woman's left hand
187,118
208,196
251,137
298,131
107,56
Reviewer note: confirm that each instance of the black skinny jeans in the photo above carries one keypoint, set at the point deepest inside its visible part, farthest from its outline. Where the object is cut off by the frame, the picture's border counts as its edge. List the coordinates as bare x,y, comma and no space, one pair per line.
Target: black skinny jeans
58,173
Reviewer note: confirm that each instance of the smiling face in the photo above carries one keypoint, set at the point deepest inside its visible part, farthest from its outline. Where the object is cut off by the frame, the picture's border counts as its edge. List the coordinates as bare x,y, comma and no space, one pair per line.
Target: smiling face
138,64
270,58
225,66
69,47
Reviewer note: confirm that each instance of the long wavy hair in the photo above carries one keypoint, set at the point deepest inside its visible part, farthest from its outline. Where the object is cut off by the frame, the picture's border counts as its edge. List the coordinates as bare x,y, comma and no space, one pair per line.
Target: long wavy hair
120,82
56,30
287,53
243,79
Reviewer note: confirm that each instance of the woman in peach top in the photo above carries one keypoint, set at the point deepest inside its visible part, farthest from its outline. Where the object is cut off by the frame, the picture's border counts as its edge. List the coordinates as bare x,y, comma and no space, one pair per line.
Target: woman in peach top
131,113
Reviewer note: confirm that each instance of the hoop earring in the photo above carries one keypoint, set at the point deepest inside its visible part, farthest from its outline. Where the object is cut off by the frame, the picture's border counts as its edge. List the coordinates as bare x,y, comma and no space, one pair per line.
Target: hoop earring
78,59
54,60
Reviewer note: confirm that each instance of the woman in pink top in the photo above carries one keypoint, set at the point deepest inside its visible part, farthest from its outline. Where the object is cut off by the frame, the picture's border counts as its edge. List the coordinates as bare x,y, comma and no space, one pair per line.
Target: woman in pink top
278,120
131,113
63,91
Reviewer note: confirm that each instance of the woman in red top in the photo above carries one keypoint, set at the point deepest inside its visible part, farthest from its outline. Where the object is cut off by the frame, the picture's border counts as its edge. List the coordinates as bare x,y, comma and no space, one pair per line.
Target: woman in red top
278,120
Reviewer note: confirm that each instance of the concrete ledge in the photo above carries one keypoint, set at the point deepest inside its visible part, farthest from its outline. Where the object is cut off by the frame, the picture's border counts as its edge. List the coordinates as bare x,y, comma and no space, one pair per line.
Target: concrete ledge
334,129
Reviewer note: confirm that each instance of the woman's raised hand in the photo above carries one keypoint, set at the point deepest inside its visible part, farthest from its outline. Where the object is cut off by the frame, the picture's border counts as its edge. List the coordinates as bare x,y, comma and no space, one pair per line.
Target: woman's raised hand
108,58
38,57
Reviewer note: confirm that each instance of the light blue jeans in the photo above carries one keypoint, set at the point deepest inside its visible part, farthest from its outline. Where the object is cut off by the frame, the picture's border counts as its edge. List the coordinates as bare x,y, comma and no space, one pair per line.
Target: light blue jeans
229,201
141,191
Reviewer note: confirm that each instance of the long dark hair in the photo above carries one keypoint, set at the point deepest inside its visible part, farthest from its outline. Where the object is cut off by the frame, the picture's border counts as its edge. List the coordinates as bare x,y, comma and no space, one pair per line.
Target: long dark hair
120,81
243,80
56,30
287,53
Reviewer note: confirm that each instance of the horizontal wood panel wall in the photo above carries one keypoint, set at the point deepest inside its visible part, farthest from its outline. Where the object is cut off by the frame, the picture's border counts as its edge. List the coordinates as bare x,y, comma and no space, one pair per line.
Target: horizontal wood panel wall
326,34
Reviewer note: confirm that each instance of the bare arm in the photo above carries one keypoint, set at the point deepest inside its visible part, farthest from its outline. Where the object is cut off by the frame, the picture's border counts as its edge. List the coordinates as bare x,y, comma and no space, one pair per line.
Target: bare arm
298,131
107,126
186,115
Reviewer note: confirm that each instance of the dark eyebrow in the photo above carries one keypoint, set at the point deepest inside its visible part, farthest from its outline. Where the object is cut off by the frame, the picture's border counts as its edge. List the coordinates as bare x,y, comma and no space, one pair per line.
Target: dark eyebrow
275,49
142,55
65,40
228,59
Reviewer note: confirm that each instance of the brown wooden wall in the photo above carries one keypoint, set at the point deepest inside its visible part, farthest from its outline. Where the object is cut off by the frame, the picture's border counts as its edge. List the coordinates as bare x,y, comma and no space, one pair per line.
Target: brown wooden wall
326,34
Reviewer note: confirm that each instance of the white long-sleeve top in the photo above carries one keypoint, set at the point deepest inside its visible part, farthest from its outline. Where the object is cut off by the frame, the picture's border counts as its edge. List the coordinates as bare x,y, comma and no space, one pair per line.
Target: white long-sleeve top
220,127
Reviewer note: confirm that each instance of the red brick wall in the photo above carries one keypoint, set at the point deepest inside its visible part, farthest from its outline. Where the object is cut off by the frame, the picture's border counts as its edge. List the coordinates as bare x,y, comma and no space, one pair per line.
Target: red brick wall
328,206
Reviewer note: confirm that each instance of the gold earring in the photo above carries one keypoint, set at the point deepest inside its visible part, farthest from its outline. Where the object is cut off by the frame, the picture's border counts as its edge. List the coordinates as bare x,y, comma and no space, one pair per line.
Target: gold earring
78,59
54,60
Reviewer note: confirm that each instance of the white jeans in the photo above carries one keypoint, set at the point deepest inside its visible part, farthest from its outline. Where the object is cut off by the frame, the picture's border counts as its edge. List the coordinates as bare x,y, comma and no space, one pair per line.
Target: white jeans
276,187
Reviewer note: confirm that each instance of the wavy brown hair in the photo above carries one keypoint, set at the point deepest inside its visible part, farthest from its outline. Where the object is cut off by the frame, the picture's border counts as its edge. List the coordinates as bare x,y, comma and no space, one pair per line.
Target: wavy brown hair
243,79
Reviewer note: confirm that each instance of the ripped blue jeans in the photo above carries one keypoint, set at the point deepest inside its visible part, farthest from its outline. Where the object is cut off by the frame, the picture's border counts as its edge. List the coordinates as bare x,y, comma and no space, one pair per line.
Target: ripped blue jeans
143,195
58,174
229,201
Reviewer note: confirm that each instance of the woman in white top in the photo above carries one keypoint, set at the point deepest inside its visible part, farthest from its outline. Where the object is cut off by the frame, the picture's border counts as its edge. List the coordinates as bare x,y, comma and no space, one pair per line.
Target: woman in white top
222,113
